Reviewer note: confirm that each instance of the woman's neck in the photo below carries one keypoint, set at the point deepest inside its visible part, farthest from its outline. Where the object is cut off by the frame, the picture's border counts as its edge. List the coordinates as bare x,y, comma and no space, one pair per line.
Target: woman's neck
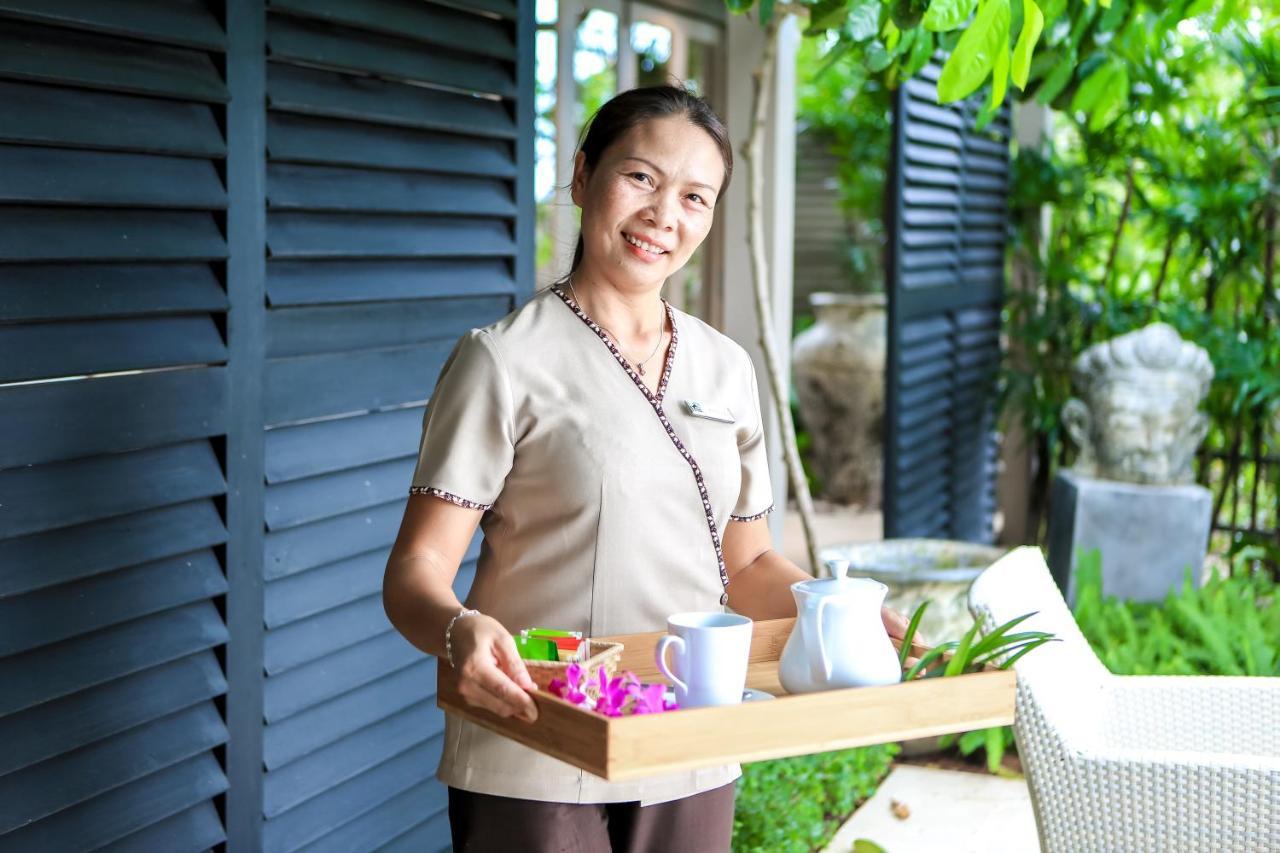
637,315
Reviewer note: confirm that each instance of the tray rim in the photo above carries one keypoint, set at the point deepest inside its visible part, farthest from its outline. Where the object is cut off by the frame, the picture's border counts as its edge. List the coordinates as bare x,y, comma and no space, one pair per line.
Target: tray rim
621,748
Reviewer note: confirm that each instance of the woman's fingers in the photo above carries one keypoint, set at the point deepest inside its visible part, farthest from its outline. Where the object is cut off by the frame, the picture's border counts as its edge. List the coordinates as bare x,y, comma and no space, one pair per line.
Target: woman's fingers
512,664
489,687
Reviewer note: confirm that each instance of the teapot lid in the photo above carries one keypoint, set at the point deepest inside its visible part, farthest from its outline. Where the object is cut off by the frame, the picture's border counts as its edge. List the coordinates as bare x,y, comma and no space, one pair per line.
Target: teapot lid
839,582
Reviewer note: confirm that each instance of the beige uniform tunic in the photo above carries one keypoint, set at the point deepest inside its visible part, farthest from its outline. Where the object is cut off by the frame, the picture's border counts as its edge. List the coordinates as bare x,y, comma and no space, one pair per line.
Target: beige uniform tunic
605,503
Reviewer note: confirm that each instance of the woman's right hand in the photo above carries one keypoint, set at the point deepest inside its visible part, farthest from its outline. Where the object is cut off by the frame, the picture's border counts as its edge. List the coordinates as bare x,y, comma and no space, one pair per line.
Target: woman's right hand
491,674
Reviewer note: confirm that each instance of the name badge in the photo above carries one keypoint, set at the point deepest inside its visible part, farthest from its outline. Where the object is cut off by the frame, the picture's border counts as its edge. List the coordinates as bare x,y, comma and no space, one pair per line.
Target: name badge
711,413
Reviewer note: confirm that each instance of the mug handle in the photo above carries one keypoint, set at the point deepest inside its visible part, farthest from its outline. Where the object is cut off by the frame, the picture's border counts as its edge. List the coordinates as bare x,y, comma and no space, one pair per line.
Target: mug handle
660,658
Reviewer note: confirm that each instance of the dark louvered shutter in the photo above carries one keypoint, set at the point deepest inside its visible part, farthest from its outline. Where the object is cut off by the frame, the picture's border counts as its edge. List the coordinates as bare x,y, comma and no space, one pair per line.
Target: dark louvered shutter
111,480
946,273
235,248
392,182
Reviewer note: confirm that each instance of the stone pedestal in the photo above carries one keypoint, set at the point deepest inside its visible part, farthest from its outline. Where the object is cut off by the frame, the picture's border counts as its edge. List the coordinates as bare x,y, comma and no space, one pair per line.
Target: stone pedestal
1148,535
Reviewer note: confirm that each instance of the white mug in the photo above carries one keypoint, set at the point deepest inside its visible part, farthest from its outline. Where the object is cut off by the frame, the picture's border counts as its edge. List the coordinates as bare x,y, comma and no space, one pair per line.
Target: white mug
710,652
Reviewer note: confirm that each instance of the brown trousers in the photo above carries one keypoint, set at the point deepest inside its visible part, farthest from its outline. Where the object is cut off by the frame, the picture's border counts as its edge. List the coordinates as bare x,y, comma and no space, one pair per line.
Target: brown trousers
483,823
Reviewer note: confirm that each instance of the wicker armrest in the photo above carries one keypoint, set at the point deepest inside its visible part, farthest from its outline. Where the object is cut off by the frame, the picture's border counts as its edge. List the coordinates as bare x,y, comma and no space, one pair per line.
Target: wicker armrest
1208,714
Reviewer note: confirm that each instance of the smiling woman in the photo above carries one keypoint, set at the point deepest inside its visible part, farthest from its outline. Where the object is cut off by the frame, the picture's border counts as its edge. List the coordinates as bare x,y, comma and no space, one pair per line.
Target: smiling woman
610,496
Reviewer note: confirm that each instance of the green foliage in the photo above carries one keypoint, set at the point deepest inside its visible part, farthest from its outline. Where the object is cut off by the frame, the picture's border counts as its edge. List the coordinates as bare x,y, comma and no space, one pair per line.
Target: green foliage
1047,48
795,805
1167,214
1229,626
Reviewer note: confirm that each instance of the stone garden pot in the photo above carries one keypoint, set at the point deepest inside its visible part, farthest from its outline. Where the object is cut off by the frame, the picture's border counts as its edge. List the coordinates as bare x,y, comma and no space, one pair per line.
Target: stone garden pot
838,368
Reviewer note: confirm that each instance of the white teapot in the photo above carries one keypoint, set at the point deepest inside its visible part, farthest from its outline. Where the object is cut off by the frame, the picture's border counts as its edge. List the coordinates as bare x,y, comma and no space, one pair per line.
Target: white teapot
839,639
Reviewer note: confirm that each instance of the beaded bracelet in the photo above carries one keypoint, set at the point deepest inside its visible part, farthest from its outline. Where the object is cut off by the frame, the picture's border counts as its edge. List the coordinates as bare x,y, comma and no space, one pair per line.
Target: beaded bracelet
448,633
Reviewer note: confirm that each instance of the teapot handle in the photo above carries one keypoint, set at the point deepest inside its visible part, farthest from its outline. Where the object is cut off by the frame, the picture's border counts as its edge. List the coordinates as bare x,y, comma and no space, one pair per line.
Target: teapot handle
822,642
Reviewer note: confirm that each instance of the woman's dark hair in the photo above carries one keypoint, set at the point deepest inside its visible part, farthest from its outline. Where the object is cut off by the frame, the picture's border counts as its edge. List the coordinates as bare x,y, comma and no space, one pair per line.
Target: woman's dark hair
636,106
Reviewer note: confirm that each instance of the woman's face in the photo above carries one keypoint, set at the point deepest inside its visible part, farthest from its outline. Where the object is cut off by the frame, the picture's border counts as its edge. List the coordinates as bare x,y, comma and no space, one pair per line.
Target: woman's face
656,186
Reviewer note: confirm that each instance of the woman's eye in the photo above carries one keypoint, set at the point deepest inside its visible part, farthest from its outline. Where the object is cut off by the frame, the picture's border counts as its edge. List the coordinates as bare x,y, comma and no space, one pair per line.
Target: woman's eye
640,176
696,198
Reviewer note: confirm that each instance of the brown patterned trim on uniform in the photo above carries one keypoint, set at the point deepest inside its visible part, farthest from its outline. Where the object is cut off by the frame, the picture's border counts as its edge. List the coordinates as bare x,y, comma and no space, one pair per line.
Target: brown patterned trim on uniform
655,400
448,496
758,515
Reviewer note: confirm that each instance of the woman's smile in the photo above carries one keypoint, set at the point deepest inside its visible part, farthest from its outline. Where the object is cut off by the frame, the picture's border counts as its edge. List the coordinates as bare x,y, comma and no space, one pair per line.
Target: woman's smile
643,249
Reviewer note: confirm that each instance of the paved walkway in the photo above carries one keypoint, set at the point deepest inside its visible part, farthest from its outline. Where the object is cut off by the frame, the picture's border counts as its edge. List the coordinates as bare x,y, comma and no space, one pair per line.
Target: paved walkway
834,525
943,810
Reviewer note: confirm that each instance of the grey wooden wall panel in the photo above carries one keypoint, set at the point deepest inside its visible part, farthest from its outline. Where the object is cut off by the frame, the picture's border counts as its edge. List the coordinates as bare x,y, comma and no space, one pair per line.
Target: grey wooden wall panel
61,291
110,152
946,281
379,157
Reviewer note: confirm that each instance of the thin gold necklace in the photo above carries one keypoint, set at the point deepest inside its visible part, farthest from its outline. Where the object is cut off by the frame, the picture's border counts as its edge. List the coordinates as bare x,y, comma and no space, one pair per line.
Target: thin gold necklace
662,314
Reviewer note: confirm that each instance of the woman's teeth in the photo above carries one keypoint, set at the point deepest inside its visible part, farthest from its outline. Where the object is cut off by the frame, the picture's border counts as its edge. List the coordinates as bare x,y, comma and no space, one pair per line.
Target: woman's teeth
648,247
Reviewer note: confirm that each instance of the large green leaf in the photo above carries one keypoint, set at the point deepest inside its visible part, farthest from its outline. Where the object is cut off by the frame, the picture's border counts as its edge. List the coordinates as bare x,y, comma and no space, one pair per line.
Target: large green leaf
1112,102
976,52
999,77
825,15
945,15
1032,25
864,20
907,13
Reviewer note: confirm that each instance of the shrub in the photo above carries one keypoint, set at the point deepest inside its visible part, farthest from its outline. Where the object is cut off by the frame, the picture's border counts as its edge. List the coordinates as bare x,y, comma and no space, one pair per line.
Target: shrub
794,805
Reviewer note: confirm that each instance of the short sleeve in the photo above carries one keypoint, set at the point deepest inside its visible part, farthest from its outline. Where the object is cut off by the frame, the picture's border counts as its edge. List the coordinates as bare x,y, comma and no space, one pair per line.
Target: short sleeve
467,444
755,498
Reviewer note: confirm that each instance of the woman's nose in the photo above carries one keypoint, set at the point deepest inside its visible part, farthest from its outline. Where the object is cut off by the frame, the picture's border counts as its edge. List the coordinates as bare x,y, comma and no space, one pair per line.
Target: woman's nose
662,212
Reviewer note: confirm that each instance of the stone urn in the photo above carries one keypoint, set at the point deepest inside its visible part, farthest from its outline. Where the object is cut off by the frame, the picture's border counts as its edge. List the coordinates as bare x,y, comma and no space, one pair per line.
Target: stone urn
940,570
838,370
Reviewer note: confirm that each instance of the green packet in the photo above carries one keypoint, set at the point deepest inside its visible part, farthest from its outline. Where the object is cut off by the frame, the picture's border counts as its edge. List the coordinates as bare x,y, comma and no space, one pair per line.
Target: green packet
536,648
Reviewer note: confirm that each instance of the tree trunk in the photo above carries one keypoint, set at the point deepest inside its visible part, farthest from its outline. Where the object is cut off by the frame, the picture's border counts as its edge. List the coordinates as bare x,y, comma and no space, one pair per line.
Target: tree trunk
752,152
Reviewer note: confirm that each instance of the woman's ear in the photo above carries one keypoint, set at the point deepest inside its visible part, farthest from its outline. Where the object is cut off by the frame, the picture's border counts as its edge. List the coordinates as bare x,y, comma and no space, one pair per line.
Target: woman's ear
581,174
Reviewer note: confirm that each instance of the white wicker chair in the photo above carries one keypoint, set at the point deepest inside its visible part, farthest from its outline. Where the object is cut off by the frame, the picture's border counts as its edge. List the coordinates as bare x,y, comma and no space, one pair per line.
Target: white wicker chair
1132,763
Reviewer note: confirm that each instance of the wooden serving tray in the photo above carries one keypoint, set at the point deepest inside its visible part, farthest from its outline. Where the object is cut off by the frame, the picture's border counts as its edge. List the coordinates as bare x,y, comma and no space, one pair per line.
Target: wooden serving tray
628,747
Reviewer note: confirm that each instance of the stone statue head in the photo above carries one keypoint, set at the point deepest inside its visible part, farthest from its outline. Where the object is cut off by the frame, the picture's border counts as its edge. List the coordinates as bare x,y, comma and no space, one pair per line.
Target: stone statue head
1138,419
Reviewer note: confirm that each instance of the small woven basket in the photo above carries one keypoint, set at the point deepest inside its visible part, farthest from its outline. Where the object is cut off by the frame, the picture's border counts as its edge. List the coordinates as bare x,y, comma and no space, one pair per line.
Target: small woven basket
599,653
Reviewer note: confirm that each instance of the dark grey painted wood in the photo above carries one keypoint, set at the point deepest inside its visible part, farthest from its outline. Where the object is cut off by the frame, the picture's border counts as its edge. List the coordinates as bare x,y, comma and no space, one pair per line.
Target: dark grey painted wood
310,684
49,787
315,820
319,44
50,234
325,188
391,820
63,725
319,282
327,235
125,810
56,613
69,553
312,638
525,112
323,588
316,386
68,291
57,116
303,139
337,445
64,668
946,273
307,546
376,325
32,175
430,834
64,420
71,349
307,91
426,22
318,498
246,286
178,22
328,723
56,55
67,493
312,774
196,829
